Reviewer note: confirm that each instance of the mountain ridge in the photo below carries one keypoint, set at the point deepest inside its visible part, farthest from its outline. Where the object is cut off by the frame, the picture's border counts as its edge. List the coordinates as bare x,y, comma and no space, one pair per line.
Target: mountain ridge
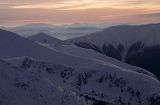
137,45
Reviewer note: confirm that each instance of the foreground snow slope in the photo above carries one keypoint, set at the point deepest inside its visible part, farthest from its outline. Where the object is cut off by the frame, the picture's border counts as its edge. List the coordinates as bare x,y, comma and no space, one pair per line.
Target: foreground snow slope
99,84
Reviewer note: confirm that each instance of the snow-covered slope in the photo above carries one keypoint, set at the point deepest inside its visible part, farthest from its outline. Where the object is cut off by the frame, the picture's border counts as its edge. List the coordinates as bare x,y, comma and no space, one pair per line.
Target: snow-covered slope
100,85
12,45
18,87
136,45
73,50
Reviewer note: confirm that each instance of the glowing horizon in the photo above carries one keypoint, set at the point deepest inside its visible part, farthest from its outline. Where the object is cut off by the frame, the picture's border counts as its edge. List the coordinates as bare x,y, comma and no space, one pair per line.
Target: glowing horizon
79,11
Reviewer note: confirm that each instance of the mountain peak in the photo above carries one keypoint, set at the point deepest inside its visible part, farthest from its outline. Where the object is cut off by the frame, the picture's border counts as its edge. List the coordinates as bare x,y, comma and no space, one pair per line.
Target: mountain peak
41,34
45,38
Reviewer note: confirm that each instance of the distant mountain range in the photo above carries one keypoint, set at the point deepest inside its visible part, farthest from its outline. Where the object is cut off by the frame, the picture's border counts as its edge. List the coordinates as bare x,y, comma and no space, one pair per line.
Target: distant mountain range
137,45
37,72
61,32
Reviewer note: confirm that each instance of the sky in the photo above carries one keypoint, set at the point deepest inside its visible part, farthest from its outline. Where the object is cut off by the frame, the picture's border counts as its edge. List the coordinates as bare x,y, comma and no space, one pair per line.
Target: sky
17,12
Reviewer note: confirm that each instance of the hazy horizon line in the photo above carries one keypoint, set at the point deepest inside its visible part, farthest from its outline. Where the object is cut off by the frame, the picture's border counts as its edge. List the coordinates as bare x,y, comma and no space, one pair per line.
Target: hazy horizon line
76,24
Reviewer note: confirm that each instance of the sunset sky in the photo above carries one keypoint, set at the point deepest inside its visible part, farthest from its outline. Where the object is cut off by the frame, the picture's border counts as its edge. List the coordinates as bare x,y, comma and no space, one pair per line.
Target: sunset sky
16,12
